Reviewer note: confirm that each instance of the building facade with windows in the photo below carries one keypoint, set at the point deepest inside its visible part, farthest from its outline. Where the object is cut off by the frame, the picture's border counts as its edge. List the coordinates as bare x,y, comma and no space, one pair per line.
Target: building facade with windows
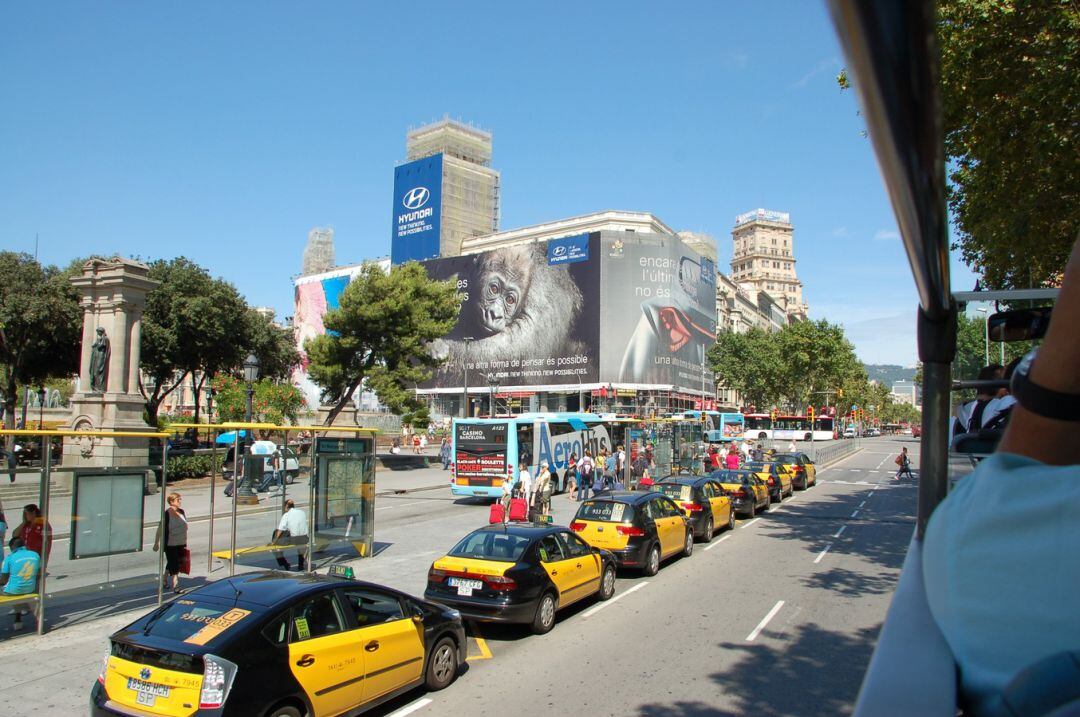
763,258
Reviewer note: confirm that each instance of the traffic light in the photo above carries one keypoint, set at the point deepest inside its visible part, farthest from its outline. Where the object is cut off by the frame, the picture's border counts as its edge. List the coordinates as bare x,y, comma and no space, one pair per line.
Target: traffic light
840,393
810,413
772,414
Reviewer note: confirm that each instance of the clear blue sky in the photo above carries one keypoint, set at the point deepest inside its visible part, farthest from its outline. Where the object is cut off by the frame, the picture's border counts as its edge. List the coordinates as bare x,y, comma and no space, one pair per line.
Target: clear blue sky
225,131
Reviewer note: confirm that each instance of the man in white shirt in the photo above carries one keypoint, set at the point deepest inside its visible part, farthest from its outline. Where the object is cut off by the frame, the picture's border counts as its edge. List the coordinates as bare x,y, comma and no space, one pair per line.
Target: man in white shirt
292,530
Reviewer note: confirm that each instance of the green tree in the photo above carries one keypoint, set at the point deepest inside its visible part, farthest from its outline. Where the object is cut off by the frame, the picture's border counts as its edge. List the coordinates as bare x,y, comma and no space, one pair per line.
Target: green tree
274,346
1010,80
272,402
40,325
379,335
751,364
193,324
816,357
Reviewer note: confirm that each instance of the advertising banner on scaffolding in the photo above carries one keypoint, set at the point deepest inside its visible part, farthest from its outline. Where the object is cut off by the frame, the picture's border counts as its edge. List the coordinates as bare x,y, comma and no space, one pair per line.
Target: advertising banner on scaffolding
417,211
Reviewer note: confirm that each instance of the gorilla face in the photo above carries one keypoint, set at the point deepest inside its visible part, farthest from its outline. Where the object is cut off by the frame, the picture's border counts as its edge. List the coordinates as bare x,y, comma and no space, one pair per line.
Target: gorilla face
505,280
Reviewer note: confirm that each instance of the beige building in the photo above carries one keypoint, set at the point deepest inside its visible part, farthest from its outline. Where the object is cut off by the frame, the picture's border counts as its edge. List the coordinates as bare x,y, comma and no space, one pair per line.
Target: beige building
764,258
470,187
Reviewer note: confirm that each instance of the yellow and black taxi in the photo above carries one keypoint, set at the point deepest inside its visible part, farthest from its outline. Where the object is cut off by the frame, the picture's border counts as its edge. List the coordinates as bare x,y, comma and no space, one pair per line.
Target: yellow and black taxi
747,491
704,502
520,573
777,478
279,645
640,529
803,469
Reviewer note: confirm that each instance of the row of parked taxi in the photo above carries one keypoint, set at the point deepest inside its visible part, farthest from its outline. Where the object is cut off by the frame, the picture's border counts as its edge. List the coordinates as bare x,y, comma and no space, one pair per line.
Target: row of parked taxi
277,644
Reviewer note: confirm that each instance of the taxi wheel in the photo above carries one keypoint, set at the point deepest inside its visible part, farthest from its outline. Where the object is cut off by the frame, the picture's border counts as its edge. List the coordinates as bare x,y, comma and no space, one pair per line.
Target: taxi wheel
688,546
731,520
707,537
442,665
607,583
286,711
545,615
652,563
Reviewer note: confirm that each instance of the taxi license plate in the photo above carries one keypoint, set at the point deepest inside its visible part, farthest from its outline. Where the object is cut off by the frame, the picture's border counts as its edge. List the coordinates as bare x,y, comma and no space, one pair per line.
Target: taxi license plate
465,586
147,692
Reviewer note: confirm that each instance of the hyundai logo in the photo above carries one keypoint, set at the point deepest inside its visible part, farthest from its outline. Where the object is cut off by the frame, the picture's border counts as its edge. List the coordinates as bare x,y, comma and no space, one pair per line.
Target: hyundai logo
144,673
559,251
416,198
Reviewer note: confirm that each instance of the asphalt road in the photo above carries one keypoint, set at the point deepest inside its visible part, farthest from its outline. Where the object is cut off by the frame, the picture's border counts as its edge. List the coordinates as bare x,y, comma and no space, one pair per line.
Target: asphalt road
777,617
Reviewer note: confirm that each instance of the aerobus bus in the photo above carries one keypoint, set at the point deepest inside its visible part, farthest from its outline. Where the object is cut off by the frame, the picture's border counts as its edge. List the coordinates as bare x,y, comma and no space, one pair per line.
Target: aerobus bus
760,426
720,427
486,452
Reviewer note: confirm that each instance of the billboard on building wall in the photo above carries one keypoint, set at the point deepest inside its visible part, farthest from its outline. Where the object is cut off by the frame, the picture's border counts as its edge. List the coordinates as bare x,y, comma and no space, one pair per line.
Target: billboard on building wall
659,307
417,210
530,315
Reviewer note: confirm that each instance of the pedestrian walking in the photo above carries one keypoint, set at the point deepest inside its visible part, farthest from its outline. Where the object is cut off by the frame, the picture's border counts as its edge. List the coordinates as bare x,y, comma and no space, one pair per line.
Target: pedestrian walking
586,468
423,442
273,475
444,453
416,444
639,470
611,467
903,463
292,530
172,534
731,461
19,576
542,493
571,473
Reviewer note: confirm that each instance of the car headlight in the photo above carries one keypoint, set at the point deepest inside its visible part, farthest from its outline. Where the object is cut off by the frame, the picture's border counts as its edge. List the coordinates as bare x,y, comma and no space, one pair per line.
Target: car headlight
453,614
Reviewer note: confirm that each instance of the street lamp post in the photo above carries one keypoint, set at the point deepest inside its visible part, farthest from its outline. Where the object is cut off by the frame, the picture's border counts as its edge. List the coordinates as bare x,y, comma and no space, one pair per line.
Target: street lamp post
493,384
245,492
465,377
41,408
986,326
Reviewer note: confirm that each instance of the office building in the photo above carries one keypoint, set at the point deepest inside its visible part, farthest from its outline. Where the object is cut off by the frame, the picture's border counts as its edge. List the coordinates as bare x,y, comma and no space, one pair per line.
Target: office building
764,258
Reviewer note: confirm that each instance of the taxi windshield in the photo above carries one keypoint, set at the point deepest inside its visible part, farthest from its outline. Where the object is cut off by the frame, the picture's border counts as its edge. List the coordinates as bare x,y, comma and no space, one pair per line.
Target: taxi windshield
675,491
193,622
759,467
488,545
605,510
785,458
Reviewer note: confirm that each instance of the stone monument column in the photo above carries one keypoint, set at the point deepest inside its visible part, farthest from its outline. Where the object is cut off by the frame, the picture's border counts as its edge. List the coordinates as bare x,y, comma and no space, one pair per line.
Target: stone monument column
113,295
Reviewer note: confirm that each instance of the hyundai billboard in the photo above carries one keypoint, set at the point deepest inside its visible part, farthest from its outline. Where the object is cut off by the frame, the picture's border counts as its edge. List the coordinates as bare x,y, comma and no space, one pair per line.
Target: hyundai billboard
417,210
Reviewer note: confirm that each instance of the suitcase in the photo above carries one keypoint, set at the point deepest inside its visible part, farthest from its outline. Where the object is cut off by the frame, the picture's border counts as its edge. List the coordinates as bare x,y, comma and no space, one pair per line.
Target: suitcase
497,513
519,509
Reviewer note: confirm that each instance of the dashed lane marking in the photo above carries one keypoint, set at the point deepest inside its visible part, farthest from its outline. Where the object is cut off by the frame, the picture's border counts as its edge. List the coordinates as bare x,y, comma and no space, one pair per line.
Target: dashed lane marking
822,554
719,541
411,707
400,505
840,532
748,524
597,608
855,514
765,621
861,505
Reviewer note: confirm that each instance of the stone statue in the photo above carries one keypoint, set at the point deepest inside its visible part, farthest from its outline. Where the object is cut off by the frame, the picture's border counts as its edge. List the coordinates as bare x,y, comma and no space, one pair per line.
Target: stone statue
99,362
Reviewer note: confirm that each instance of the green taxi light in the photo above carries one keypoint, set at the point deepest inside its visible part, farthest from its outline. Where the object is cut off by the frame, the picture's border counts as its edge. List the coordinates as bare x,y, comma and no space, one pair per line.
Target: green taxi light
341,571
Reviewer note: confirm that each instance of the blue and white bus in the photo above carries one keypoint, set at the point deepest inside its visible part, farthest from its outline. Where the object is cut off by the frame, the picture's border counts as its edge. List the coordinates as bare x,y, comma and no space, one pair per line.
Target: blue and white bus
486,452
720,427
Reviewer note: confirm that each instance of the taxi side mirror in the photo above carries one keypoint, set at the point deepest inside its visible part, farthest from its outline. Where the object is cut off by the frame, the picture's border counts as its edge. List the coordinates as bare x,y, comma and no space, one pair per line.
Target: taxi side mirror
418,615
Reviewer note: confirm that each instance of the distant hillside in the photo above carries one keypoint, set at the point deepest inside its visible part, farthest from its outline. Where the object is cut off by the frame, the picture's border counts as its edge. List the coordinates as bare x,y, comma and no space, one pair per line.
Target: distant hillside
886,374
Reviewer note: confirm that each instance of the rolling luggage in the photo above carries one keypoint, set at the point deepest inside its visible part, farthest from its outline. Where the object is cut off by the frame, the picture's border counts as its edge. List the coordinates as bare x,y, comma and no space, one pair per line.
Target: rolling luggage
519,509
497,513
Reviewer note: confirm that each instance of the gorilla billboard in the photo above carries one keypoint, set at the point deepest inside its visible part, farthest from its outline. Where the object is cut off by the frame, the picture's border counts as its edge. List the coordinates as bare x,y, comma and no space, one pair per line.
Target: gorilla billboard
530,315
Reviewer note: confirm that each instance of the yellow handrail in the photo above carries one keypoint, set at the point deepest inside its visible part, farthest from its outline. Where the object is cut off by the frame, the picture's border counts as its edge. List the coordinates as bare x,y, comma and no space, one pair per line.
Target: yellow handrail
87,434
231,425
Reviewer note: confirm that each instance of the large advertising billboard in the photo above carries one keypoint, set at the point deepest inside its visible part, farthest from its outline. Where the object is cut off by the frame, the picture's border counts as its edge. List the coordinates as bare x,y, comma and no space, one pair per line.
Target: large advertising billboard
417,210
659,308
530,315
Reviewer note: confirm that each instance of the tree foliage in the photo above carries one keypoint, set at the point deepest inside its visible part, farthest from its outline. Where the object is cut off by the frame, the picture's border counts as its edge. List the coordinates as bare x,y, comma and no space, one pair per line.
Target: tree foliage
40,324
273,401
379,336
1010,73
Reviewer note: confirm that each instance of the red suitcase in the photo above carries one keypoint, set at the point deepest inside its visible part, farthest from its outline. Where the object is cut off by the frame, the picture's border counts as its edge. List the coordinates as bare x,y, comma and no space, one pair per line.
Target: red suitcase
497,514
519,509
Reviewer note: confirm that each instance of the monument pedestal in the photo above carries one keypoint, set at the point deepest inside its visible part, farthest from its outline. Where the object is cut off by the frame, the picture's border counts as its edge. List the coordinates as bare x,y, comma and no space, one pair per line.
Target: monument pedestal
113,294
347,417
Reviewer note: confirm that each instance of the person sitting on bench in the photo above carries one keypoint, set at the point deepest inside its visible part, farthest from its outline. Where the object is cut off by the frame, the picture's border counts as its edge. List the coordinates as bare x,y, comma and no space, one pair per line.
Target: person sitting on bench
19,575
292,530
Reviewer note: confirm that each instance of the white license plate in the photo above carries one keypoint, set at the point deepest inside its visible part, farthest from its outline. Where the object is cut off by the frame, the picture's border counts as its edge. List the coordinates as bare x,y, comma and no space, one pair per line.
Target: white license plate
465,586
147,690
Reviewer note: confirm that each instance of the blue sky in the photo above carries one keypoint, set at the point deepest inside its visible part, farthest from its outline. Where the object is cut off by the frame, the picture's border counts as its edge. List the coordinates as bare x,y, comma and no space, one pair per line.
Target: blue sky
225,131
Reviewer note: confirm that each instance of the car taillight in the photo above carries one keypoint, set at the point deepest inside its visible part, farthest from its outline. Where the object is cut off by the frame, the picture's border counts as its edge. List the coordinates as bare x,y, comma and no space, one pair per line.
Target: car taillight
631,530
740,493
692,507
218,674
499,582
800,469
577,525
435,575
772,481
104,667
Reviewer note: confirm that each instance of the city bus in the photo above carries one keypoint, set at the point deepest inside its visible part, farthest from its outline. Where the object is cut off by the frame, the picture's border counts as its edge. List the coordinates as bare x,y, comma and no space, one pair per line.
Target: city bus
486,452
788,427
720,427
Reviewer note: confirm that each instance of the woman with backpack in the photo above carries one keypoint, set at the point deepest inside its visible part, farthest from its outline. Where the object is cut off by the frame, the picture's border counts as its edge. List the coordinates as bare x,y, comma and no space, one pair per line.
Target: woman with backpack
586,468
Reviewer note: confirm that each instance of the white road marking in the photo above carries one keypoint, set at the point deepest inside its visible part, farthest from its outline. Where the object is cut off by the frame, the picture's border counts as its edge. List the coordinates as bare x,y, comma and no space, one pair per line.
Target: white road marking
840,532
747,525
861,505
399,505
719,541
855,514
855,470
765,621
597,608
411,707
822,554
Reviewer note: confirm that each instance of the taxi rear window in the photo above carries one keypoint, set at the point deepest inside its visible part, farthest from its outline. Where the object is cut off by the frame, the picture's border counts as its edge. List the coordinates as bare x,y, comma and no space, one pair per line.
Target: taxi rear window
194,622
488,545
605,510
785,459
675,491
759,467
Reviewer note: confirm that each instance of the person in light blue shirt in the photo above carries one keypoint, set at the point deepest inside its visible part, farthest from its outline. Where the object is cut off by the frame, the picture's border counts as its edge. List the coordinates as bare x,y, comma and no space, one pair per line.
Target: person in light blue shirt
1000,565
19,574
